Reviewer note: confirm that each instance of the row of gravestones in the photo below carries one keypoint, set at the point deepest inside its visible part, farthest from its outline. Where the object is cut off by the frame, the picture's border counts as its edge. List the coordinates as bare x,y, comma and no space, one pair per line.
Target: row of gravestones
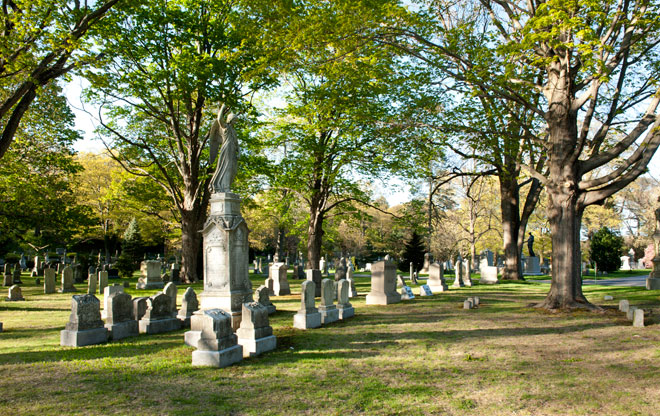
311,317
11,276
125,316
633,313
278,285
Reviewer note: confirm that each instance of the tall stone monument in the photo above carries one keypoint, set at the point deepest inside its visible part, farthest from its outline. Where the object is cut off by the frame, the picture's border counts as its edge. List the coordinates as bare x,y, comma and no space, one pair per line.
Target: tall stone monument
653,281
436,279
383,284
226,281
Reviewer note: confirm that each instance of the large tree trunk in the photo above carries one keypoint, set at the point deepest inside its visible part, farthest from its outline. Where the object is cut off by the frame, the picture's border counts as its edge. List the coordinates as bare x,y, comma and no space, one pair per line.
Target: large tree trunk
314,237
565,217
509,203
191,244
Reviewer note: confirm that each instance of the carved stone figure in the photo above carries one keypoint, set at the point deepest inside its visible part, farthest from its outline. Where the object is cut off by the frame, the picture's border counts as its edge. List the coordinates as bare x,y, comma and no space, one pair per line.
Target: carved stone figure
223,131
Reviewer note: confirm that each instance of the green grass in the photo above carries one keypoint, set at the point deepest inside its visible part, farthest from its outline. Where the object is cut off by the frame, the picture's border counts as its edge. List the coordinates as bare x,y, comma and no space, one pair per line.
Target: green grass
420,357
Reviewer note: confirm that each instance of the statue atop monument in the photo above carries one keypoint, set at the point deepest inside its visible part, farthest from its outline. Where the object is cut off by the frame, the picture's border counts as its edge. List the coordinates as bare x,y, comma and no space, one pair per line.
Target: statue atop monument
223,135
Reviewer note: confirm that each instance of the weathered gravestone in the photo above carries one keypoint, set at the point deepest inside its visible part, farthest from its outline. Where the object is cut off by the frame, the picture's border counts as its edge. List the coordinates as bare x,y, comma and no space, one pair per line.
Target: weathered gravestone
217,345
189,305
15,294
262,296
340,270
307,316
631,312
349,276
458,281
328,310
67,280
91,284
16,276
638,318
255,334
436,280
120,320
150,270
103,281
85,326
109,290
280,283
488,273
140,307
383,284
8,276
624,305
49,281
314,275
171,291
468,304
467,279
159,316
344,307
176,272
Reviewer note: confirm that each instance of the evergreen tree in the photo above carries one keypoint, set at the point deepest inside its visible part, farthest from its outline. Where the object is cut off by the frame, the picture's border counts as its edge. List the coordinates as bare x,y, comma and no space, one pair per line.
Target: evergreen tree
131,249
606,247
413,252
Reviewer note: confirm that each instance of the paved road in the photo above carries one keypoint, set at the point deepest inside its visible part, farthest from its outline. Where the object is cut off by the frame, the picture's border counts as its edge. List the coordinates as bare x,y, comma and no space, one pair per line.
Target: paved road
639,281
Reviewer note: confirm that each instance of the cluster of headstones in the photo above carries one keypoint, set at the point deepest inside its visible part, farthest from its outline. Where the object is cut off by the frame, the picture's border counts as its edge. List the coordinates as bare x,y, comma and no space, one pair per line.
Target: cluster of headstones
633,313
471,303
217,345
278,285
308,316
125,316
12,277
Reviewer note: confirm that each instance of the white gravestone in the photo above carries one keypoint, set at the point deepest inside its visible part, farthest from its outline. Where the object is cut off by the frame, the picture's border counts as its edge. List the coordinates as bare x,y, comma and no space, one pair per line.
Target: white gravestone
307,316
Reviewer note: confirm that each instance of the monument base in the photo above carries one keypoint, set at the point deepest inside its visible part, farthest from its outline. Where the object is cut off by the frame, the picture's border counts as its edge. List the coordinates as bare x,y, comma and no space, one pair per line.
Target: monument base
345,313
437,286
329,316
382,298
653,283
122,330
307,320
157,326
150,285
192,337
82,338
254,347
219,359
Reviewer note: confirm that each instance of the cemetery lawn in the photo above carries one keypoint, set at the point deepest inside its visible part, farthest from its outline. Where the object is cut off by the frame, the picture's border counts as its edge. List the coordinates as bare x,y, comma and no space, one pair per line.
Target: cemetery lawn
419,357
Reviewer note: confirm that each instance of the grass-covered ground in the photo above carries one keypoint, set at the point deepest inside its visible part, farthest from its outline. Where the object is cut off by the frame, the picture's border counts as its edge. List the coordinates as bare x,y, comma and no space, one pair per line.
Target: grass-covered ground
425,356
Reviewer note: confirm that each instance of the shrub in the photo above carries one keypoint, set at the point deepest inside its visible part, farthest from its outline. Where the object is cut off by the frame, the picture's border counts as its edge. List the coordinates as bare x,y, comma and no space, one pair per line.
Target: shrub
606,249
413,252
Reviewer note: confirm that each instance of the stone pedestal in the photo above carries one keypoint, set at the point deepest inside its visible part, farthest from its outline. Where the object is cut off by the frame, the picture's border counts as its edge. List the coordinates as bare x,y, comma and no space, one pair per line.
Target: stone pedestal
383,284
308,316
255,334
150,270
226,276
436,280
532,266
217,345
